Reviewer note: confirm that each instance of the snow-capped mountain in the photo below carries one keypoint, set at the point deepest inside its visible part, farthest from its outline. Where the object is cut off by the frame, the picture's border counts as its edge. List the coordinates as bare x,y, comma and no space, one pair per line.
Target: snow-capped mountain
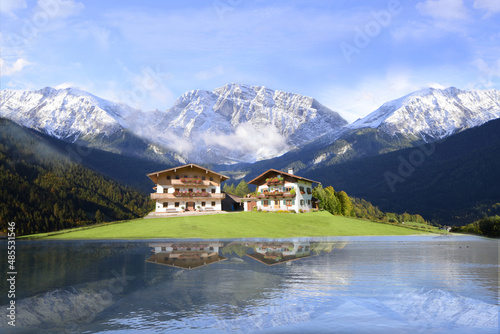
77,116
245,123
66,113
232,123
434,113
59,113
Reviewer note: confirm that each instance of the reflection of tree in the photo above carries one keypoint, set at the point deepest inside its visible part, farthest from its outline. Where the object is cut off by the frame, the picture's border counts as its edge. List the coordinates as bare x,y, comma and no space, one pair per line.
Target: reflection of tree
327,246
238,248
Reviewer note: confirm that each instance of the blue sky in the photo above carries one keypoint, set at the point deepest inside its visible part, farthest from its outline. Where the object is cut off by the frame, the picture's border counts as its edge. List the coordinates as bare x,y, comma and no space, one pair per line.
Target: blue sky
352,56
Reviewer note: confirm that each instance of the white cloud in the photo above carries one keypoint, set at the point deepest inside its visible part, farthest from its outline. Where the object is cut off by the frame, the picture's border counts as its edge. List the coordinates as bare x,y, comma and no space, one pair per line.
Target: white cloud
492,6
17,66
263,143
147,90
65,85
9,6
61,8
436,85
443,9
488,73
100,35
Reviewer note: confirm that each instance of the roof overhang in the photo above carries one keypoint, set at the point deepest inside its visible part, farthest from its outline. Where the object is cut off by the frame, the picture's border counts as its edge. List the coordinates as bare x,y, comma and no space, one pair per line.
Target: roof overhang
261,179
155,175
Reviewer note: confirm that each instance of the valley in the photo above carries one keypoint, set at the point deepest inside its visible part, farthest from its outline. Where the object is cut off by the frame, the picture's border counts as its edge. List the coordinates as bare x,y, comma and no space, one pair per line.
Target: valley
242,130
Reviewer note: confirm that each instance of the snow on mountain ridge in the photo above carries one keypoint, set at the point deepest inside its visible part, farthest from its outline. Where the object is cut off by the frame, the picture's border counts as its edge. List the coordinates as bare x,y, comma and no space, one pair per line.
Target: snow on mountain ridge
62,113
243,119
434,113
232,123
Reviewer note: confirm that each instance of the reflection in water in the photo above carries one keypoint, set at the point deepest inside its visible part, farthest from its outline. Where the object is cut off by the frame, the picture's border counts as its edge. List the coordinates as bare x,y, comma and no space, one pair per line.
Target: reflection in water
371,285
272,253
186,255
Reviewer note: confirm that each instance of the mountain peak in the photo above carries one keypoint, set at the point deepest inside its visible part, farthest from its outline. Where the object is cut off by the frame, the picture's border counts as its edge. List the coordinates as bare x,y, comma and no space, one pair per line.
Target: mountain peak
433,112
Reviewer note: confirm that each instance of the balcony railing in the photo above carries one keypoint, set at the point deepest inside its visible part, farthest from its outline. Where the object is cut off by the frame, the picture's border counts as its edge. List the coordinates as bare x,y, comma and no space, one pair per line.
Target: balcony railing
186,195
275,181
191,182
276,194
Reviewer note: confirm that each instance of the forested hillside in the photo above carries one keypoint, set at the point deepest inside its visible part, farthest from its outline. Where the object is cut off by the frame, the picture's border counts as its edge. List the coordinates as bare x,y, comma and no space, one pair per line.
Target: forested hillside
42,189
452,182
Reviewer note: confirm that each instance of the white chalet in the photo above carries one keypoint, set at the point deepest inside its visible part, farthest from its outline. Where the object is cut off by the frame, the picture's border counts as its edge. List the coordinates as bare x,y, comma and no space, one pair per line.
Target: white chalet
277,190
187,187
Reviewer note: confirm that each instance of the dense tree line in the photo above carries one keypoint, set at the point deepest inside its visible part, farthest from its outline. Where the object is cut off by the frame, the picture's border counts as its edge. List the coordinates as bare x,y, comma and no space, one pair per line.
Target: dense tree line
488,226
42,190
339,203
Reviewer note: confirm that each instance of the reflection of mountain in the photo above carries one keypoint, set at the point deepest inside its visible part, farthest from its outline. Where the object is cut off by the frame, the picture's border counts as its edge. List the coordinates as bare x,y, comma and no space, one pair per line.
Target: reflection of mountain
186,255
272,253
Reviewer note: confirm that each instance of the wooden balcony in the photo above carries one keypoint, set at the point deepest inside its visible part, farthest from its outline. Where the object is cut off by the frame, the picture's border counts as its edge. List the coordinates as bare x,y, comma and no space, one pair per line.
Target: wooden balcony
275,195
191,184
165,196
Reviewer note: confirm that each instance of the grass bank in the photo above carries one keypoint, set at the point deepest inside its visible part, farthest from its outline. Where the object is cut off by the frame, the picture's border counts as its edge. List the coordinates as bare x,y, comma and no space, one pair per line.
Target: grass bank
234,225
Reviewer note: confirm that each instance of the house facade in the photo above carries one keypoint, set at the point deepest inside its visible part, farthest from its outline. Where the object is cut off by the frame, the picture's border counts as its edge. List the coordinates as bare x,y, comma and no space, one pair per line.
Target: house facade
277,190
187,188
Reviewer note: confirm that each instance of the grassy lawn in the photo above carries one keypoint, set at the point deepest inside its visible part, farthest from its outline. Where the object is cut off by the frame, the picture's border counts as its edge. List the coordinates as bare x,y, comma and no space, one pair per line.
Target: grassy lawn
234,225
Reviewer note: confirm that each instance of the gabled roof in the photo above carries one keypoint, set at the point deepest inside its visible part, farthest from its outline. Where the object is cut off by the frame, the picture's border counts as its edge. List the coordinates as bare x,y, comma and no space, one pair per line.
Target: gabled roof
262,177
153,176
233,197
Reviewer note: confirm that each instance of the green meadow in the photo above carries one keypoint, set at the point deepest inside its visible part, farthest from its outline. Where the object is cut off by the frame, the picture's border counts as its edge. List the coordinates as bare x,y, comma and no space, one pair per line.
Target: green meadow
234,225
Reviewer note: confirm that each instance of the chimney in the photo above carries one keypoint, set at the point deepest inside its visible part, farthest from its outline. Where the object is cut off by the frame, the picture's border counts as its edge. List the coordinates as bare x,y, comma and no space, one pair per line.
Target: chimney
290,170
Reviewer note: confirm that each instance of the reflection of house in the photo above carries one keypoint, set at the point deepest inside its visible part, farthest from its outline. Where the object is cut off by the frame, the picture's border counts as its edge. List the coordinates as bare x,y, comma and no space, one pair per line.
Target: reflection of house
186,255
189,187
271,253
277,190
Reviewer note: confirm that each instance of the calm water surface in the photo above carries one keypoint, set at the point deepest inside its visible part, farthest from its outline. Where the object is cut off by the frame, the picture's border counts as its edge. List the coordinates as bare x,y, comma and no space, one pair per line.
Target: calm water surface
417,284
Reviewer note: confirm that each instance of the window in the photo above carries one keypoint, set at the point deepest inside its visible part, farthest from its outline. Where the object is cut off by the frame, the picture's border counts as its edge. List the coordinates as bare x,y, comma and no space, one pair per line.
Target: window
177,190
177,177
309,202
211,248
213,203
301,189
301,202
168,177
309,191
176,204
190,190
211,178
266,202
203,203
277,202
185,176
213,191
165,190
288,202
165,204
164,249
203,190
203,178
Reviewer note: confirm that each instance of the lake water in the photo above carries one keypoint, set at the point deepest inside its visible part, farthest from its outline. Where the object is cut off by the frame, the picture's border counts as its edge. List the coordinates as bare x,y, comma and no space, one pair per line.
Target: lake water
415,284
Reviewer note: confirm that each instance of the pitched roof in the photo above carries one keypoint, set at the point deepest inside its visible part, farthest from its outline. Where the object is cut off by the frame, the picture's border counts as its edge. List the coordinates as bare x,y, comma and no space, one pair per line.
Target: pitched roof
260,178
155,174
